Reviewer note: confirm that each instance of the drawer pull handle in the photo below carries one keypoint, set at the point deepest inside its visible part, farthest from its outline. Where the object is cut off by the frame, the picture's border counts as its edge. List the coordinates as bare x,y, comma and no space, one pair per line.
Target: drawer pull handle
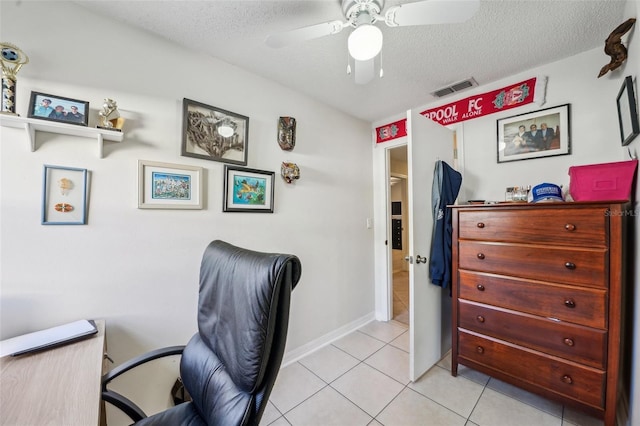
480,349
480,287
569,342
480,225
480,256
567,379
569,303
480,318
570,227
570,265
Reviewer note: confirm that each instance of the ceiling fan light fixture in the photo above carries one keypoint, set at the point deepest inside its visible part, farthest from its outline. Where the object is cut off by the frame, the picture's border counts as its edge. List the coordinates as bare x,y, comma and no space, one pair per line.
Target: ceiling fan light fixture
365,42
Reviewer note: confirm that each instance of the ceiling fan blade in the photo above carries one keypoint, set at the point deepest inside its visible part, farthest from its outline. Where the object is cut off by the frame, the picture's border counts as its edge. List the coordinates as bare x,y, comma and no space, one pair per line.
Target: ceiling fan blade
299,35
430,12
364,71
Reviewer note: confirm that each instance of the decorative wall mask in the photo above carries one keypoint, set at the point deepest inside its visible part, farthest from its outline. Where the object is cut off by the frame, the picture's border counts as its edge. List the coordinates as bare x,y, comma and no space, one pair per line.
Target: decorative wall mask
11,60
289,172
613,47
287,133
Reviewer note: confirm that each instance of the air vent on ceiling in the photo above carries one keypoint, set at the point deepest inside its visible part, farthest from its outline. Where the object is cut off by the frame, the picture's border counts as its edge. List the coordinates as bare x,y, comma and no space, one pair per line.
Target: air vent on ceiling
455,87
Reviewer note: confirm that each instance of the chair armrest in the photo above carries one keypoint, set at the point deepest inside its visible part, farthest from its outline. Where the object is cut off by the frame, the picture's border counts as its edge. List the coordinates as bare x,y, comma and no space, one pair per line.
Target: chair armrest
124,404
142,359
121,402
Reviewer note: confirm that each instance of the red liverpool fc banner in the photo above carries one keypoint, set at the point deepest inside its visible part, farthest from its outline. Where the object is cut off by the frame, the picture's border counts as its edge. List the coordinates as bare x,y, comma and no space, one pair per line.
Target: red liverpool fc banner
522,93
391,131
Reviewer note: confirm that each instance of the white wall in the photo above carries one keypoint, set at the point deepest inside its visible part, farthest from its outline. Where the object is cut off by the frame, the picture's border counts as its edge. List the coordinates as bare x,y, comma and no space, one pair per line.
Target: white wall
138,269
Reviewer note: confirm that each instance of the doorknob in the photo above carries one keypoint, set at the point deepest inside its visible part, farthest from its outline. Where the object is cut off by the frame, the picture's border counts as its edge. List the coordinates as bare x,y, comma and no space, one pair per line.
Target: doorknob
420,259
409,259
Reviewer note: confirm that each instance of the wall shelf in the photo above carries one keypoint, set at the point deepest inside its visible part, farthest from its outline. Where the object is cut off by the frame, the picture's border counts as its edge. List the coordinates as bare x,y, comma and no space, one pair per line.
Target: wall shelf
33,124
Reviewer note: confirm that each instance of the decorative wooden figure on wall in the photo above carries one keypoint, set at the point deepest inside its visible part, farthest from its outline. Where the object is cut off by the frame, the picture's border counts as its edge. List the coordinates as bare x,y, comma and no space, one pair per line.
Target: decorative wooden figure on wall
613,47
289,172
287,133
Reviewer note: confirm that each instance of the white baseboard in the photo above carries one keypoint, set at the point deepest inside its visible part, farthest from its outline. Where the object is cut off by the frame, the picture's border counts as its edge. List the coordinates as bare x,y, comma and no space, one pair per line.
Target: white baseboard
296,354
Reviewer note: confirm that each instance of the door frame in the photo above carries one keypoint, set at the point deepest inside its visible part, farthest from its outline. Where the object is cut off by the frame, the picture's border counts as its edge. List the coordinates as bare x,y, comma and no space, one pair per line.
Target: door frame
383,277
383,273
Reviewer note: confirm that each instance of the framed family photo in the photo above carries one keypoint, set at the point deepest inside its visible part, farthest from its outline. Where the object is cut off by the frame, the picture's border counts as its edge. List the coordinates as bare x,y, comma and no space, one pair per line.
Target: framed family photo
247,190
57,108
214,134
538,134
169,186
627,112
64,196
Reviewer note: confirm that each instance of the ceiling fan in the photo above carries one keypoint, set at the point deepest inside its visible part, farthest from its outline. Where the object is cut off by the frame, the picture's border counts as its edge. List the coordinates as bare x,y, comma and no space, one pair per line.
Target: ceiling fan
365,40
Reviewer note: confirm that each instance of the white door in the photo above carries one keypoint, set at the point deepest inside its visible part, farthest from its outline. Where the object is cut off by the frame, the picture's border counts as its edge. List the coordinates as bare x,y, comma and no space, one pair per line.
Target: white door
427,142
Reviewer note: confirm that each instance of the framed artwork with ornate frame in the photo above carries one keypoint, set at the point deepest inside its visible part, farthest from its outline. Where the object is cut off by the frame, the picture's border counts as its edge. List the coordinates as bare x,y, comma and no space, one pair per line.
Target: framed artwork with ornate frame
537,134
169,186
64,196
214,134
627,112
247,190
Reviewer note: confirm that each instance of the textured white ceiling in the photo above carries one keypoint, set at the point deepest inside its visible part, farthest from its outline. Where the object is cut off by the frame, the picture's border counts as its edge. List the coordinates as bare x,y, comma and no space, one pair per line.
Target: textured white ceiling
503,38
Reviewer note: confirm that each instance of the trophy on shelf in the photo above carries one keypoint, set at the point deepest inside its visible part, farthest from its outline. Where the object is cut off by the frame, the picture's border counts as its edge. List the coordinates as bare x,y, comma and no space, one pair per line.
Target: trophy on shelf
110,116
11,60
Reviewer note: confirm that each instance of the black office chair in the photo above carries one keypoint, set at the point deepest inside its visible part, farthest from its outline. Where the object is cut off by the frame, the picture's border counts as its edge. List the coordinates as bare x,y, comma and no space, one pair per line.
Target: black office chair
229,366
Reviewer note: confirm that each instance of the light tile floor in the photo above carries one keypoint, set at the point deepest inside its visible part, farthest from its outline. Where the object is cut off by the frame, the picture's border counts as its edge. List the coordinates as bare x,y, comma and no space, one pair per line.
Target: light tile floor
362,379
401,296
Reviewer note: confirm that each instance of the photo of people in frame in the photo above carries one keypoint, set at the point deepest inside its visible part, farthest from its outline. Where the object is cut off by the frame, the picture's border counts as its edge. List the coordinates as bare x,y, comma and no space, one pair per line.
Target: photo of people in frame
536,134
55,108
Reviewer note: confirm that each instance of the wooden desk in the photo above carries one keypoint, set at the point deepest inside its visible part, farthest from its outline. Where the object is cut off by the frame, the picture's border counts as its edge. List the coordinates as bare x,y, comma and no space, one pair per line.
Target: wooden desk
58,387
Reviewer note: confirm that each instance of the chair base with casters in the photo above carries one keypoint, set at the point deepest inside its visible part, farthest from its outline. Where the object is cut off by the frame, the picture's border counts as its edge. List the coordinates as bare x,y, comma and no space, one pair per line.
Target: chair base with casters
229,366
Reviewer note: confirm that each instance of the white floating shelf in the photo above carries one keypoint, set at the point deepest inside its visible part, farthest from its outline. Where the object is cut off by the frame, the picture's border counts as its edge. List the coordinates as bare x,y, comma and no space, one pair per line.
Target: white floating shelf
33,124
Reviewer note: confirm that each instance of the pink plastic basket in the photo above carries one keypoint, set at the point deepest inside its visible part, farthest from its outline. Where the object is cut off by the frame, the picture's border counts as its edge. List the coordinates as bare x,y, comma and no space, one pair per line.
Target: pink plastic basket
602,182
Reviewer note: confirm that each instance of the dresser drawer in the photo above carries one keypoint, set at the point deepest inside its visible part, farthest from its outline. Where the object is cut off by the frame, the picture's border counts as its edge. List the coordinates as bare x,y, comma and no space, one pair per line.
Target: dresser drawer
569,379
581,344
580,305
560,265
573,227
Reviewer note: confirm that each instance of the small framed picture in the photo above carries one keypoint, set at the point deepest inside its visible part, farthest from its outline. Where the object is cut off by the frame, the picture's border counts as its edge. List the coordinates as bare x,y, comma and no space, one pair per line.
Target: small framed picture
169,186
247,190
627,112
57,108
214,134
538,134
64,196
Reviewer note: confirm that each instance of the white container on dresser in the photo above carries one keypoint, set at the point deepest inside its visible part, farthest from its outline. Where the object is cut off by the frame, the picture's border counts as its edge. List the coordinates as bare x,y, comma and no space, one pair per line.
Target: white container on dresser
538,293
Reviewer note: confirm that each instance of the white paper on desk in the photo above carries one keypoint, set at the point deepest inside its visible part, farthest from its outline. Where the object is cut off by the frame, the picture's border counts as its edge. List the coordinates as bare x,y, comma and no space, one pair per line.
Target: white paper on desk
44,338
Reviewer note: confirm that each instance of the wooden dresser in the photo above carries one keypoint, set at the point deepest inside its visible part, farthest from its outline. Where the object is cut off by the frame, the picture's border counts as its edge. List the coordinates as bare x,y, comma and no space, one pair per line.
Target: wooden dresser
538,294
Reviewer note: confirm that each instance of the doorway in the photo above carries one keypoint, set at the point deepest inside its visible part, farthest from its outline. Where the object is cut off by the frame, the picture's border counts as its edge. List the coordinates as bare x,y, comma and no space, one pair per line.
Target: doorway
399,225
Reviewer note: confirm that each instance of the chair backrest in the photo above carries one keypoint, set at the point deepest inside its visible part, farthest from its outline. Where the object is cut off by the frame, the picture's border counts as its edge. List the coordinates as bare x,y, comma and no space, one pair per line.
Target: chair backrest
230,366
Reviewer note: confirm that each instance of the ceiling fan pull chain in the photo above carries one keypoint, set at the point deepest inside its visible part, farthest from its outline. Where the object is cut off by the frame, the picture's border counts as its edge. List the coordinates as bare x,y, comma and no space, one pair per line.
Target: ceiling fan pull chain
348,63
381,70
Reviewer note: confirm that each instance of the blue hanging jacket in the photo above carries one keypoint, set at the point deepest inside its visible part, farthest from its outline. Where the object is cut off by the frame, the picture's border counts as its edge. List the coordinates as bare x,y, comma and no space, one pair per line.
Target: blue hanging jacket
446,185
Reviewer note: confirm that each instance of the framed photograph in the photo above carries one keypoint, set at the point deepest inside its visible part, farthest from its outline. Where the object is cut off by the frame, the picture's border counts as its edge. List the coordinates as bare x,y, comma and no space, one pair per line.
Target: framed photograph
538,134
169,186
247,190
64,196
214,134
57,108
627,112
